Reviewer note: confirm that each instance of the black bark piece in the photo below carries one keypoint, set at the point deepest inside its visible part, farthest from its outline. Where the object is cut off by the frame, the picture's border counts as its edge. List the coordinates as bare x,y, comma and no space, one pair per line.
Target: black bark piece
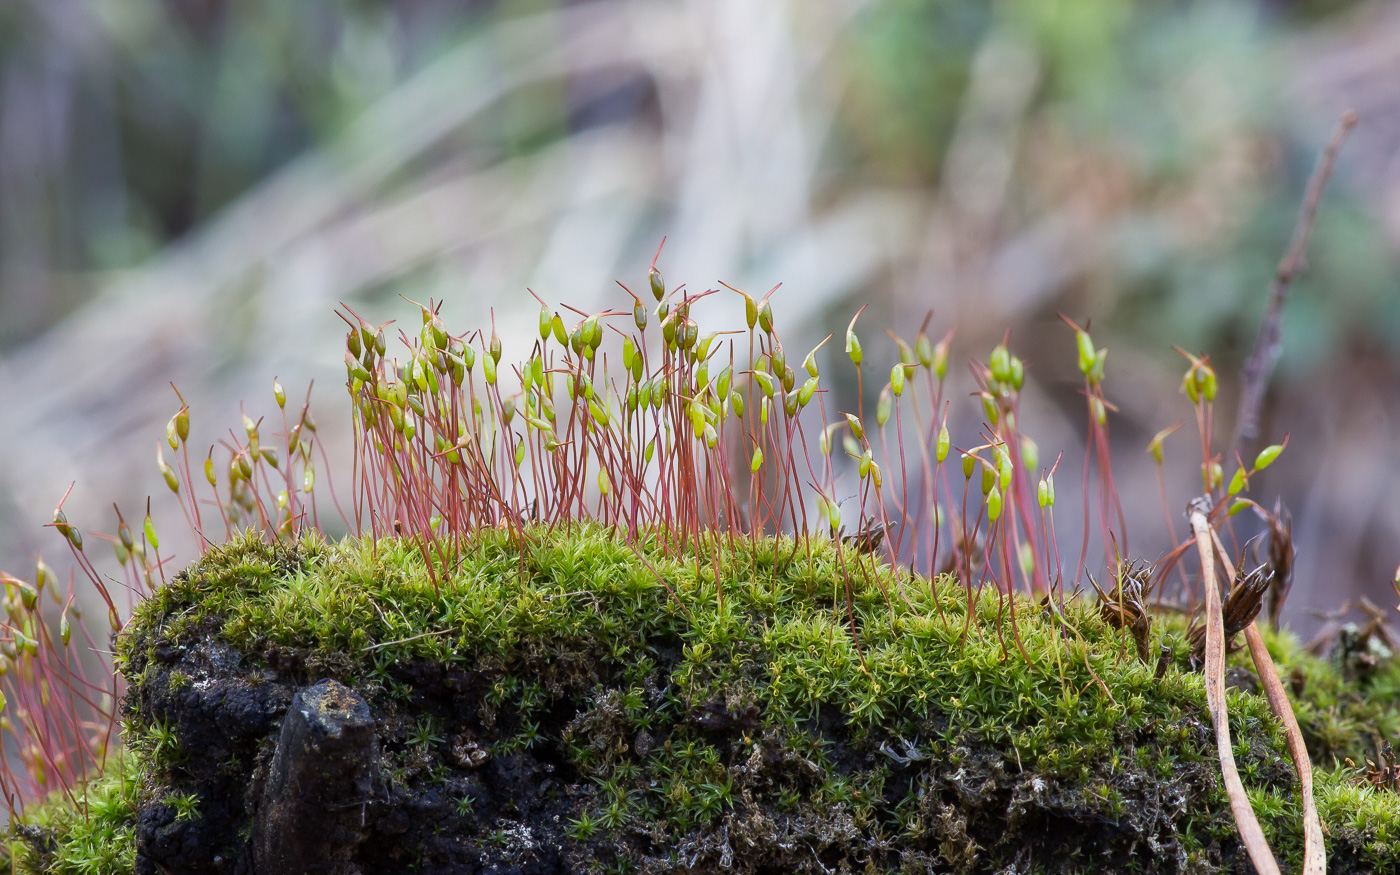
323,777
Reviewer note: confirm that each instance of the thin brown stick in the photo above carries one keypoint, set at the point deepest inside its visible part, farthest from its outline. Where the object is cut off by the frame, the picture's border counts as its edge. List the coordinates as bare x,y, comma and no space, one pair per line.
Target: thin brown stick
1250,833
1314,850
1269,342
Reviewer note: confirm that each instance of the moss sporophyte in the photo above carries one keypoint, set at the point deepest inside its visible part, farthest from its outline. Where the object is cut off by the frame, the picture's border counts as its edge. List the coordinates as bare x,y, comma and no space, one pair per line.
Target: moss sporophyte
643,600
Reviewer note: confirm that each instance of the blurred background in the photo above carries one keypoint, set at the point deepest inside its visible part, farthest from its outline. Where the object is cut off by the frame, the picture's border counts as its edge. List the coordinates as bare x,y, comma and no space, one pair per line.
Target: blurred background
188,188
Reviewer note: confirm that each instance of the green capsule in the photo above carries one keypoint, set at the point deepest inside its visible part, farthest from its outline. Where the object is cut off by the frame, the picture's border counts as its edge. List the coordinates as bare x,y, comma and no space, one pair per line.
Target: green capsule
1087,354
804,395
923,350
853,348
658,283
765,316
756,461
736,403
994,504
166,471
1267,456
1000,364
989,479
883,408
857,429
1237,482
1030,454
989,406
546,323
556,324
943,445
897,380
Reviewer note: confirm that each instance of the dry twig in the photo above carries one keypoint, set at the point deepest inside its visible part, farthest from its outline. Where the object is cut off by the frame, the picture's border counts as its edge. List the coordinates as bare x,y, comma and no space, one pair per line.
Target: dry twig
1250,833
1269,342
1314,852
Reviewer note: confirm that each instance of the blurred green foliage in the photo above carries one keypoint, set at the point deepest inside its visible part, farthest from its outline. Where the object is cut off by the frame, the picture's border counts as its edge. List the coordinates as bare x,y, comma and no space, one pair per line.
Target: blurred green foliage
127,123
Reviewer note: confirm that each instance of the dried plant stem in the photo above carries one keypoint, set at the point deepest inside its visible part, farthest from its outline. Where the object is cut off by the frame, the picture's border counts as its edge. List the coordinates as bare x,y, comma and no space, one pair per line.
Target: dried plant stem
1250,832
1314,851
1268,343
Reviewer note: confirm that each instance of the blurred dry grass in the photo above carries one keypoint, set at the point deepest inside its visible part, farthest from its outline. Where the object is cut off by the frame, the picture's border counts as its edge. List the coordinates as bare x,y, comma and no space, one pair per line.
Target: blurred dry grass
1139,164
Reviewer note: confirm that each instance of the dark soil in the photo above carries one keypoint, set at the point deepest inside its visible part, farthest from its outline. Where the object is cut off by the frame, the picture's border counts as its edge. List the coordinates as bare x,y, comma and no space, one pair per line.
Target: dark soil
456,802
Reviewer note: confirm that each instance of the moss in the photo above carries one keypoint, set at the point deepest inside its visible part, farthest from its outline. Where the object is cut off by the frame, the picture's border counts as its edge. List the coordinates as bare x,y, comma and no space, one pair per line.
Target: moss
60,838
791,699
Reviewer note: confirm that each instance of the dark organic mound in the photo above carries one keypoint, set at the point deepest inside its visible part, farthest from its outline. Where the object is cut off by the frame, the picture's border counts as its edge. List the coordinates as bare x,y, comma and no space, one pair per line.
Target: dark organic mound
553,708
